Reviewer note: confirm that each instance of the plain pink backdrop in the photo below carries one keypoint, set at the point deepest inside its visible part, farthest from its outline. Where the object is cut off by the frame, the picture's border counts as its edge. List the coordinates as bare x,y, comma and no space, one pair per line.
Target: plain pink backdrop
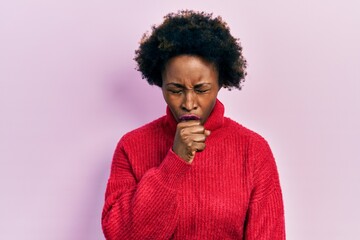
69,91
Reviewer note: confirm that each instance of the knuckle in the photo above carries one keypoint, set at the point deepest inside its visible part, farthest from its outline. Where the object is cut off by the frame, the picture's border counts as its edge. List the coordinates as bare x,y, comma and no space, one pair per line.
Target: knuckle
202,146
182,131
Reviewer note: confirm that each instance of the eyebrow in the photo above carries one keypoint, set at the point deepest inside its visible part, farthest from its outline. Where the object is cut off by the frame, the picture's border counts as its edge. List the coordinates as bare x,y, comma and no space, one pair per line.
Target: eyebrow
182,86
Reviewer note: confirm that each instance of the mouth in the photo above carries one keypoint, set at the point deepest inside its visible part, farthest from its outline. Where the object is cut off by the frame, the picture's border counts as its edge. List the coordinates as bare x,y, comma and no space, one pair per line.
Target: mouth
188,118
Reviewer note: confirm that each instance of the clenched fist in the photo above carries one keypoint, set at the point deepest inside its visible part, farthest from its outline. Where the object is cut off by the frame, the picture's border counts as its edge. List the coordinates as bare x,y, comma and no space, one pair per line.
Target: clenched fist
189,138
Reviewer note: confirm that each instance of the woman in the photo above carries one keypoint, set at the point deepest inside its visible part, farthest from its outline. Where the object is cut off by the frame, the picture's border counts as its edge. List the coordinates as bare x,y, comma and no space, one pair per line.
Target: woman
193,174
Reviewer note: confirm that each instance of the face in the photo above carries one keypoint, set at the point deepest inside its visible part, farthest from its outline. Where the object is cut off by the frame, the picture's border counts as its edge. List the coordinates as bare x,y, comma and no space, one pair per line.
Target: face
190,87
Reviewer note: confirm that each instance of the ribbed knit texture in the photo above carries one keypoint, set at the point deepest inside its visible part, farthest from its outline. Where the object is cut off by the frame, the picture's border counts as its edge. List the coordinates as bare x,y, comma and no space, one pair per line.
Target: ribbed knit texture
230,191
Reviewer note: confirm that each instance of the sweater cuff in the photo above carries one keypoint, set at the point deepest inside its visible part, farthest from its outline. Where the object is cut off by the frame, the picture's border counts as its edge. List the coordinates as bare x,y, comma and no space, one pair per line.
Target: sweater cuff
172,170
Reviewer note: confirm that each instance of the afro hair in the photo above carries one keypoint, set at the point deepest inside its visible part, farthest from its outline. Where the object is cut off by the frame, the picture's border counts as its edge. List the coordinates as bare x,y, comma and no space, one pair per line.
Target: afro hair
191,33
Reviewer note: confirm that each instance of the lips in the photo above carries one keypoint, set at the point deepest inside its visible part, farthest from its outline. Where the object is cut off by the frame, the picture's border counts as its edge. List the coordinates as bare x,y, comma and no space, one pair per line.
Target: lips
188,118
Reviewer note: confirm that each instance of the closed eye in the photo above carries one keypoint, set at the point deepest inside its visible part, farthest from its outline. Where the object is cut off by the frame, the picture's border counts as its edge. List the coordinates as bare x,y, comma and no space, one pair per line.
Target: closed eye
202,90
175,91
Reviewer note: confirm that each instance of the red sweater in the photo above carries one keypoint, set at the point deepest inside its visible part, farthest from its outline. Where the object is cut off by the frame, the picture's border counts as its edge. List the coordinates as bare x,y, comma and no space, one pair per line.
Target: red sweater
230,191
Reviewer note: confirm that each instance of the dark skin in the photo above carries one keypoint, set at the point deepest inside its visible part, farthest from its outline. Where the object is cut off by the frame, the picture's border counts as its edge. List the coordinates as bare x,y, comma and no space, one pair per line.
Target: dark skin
190,87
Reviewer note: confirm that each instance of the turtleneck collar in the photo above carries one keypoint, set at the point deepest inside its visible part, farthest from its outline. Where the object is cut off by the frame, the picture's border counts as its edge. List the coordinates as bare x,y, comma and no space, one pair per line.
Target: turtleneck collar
214,121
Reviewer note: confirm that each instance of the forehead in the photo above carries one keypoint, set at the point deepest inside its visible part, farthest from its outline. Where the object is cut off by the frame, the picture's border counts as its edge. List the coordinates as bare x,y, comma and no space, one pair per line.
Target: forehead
189,68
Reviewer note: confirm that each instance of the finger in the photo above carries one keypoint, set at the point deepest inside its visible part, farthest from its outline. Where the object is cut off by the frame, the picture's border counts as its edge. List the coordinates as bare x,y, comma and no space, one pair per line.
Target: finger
198,146
194,129
186,133
188,123
197,137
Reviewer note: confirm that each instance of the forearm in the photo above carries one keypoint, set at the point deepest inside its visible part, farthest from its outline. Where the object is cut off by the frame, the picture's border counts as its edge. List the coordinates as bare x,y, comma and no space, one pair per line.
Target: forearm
265,219
265,216
147,208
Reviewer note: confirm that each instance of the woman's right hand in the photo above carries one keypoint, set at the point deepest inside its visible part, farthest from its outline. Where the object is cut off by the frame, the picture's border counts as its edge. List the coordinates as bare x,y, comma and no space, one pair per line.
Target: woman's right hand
189,138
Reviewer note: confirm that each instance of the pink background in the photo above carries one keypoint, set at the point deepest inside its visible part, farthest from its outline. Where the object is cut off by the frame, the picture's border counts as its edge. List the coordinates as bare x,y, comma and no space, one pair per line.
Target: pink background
69,91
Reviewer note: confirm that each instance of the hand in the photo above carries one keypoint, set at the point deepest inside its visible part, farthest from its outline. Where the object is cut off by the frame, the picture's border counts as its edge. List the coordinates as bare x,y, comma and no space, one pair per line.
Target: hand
189,138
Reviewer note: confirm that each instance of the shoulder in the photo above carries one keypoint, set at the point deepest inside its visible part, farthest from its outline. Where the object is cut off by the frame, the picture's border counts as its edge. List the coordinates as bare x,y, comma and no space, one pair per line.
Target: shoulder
257,150
239,131
144,132
255,144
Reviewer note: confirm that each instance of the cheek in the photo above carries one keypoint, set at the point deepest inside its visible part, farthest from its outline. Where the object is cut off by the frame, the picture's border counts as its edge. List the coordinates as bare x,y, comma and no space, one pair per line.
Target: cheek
171,100
209,102
166,97
163,93
208,99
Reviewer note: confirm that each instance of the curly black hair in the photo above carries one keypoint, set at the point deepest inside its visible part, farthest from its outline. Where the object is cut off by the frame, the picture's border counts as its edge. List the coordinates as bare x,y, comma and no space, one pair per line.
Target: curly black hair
192,33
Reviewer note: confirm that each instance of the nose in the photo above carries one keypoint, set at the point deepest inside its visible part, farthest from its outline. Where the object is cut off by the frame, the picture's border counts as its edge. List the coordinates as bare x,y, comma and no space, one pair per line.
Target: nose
189,102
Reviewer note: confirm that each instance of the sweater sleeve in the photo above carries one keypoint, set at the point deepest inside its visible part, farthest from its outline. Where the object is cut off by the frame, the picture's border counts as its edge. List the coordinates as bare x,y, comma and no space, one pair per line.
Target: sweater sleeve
265,216
144,209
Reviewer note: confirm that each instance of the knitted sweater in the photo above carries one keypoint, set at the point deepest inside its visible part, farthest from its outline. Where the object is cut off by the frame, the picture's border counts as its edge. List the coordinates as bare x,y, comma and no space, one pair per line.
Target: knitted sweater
230,191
